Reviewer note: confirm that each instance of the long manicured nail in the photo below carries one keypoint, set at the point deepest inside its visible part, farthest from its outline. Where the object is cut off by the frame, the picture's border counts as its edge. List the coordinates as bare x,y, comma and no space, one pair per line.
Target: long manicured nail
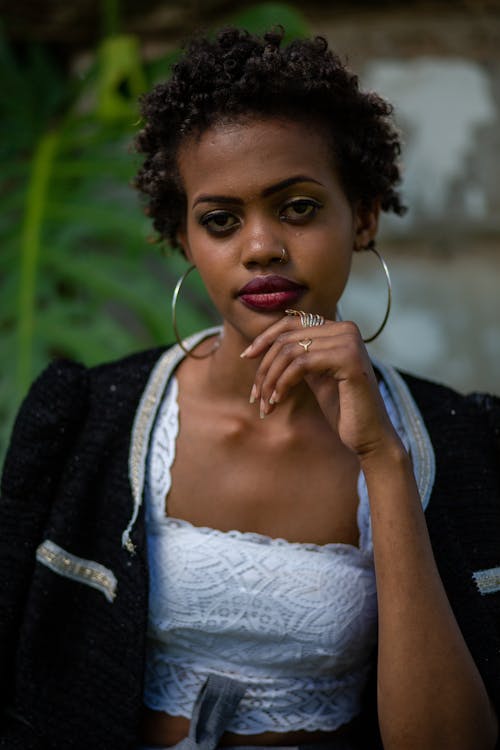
245,352
253,394
274,398
262,408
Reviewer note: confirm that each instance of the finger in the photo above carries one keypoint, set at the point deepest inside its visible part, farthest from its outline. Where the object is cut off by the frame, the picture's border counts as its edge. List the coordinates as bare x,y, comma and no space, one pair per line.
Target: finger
277,385
277,359
298,360
341,357
286,347
288,323
265,339
280,352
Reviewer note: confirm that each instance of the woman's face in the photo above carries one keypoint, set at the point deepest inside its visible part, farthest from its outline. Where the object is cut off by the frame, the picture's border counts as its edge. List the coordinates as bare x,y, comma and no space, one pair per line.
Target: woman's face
253,188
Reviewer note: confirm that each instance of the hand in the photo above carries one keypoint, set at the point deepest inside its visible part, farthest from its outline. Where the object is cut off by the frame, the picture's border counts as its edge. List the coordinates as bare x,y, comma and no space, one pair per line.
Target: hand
337,369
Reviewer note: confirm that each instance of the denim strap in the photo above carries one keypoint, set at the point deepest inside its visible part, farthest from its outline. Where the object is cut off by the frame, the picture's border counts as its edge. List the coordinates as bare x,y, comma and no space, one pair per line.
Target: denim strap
215,705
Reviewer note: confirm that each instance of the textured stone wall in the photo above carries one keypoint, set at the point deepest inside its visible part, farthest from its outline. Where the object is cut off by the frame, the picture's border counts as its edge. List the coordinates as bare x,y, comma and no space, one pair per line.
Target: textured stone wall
441,70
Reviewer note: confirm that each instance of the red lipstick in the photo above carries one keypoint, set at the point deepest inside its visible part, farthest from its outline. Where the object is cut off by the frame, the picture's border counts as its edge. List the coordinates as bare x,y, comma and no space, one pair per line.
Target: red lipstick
270,293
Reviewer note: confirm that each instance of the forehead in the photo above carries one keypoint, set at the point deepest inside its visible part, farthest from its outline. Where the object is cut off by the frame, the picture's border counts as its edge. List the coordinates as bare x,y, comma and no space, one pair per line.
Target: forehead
247,155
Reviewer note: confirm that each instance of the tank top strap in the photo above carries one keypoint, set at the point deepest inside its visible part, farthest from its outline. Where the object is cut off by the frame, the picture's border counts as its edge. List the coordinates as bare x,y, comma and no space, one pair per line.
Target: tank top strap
364,517
162,454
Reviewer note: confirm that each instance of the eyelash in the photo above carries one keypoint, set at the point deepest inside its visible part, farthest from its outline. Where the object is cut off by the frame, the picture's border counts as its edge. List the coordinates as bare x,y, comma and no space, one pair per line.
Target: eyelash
314,205
206,220
307,202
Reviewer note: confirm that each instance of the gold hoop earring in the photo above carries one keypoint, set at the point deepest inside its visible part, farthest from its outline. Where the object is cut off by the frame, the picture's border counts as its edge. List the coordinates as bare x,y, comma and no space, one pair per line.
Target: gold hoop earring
373,249
178,338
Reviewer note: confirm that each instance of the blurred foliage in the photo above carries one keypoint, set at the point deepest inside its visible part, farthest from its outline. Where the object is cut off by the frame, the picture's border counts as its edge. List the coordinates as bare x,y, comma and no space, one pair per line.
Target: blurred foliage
78,276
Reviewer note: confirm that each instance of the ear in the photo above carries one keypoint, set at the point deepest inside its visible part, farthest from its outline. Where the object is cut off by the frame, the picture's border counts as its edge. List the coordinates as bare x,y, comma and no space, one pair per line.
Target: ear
183,242
366,224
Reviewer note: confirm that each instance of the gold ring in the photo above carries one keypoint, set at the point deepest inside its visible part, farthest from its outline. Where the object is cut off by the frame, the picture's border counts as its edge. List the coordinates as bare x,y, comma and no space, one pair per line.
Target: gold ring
305,344
307,320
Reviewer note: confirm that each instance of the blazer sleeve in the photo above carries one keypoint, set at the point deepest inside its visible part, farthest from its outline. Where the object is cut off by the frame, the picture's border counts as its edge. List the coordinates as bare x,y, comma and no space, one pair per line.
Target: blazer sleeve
463,515
489,581
471,527
45,429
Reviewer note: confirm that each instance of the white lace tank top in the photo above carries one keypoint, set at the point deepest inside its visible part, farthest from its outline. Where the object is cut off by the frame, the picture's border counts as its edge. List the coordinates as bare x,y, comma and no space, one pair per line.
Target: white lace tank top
295,622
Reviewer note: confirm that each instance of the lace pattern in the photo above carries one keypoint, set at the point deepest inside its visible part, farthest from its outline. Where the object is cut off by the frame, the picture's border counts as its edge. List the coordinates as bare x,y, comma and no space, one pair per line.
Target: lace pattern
297,626
268,704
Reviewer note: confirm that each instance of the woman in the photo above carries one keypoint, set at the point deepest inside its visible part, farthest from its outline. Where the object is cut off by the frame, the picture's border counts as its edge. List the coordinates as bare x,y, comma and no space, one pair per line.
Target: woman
292,572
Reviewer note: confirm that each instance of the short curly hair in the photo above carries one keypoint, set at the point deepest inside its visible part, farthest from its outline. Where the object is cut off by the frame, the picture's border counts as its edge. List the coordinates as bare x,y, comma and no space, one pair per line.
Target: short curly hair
239,75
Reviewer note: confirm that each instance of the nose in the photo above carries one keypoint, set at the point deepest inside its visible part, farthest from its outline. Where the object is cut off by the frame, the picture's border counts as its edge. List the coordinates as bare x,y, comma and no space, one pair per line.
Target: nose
262,247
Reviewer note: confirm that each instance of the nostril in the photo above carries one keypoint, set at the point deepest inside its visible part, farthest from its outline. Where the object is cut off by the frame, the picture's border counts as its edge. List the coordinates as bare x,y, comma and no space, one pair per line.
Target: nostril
262,251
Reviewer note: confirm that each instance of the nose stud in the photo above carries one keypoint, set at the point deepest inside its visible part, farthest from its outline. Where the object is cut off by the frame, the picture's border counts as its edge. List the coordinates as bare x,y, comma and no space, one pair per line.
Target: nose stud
284,256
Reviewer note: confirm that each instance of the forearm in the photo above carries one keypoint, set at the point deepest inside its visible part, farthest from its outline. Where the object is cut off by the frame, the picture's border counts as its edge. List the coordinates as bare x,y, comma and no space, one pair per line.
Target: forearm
430,693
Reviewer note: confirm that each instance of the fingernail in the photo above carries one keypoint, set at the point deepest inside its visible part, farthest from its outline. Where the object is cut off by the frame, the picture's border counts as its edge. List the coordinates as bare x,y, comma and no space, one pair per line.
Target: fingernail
262,408
253,394
245,352
274,398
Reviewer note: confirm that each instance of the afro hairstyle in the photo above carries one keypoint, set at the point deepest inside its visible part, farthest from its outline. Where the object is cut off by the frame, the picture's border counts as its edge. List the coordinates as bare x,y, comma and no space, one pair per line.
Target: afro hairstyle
237,75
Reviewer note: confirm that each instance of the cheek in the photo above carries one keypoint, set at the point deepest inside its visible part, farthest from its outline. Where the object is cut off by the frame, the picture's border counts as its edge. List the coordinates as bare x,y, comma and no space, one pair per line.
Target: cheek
213,269
211,255
212,287
333,265
331,247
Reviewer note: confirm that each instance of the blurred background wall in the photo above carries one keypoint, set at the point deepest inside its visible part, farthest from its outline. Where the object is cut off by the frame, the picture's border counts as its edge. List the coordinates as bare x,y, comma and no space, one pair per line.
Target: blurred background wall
439,64
79,275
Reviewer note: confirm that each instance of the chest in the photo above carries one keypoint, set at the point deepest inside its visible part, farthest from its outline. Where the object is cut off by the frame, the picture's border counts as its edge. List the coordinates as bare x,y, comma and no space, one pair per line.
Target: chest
298,485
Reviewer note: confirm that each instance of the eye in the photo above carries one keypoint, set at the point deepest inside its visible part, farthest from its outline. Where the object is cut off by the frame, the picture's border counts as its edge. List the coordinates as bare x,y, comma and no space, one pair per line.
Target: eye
300,210
219,222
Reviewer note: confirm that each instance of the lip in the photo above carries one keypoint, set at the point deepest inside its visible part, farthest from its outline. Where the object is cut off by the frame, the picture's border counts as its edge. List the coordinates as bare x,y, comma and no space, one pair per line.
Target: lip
270,293
269,284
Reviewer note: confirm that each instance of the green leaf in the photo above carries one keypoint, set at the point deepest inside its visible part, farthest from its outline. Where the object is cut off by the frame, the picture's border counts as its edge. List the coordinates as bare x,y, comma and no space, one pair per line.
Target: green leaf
121,79
75,255
30,249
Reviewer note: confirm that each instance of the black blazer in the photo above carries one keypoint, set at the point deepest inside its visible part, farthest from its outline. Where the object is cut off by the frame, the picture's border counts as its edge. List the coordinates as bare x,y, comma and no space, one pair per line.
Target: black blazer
72,646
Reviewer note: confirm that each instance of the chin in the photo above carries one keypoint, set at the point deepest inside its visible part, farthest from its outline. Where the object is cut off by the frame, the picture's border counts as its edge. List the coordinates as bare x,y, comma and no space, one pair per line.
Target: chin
248,330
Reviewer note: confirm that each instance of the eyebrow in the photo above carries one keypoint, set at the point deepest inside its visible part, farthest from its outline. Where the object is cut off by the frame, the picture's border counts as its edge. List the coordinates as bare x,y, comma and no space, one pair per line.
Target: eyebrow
264,194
